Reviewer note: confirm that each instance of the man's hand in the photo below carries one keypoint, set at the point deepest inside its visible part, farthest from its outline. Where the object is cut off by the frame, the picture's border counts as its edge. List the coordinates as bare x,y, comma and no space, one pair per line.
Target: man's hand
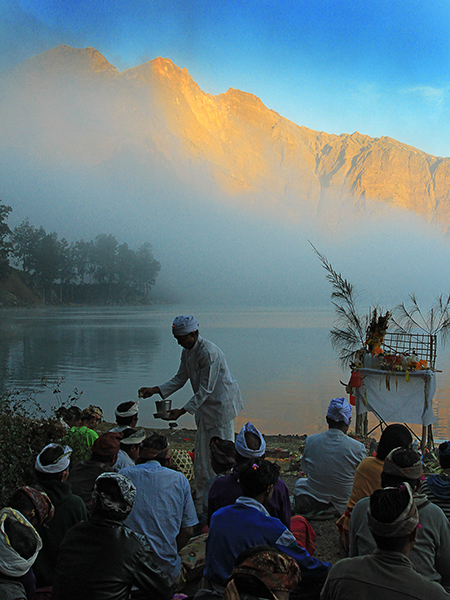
147,392
175,414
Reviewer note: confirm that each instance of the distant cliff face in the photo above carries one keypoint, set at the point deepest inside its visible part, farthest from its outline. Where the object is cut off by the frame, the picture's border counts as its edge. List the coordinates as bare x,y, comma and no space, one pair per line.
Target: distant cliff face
71,105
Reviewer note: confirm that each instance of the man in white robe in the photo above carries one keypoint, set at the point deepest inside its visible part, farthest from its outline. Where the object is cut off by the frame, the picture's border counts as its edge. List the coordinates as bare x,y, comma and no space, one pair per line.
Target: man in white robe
216,400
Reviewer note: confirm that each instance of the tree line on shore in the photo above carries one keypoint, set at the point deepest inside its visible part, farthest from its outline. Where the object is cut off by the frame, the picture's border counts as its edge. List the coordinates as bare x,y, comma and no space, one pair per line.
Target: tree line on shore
95,271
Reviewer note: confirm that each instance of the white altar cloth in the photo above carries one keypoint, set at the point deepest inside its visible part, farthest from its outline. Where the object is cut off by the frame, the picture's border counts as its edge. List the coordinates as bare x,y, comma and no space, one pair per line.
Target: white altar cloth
396,400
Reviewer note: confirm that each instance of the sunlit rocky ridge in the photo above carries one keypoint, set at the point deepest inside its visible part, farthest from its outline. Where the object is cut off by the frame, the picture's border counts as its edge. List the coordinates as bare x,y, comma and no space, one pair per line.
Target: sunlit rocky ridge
71,106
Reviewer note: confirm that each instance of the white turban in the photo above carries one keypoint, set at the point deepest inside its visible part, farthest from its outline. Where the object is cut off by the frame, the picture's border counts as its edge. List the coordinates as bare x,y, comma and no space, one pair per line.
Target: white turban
340,410
184,325
57,467
133,410
241,443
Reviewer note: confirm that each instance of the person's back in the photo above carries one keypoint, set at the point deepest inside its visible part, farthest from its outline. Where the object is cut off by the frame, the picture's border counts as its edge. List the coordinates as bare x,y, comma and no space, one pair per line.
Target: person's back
432,548
387,573
437,486
330,460
19,547
246,524
52,466
103,457
101,558
164,505
226,490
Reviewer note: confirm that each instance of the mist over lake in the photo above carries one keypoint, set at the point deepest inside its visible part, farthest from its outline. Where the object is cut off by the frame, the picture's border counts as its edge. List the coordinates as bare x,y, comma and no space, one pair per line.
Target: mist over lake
281,357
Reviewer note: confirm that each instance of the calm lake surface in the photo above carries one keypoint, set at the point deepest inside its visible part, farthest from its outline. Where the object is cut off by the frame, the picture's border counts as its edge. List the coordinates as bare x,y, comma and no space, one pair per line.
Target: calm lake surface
282,359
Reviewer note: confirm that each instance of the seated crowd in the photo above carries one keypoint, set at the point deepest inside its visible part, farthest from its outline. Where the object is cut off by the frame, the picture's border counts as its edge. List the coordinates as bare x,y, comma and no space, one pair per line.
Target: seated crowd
122,522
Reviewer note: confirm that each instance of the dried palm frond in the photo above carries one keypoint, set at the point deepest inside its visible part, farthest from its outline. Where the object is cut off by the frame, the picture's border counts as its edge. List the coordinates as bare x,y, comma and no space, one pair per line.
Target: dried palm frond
435,322
349,333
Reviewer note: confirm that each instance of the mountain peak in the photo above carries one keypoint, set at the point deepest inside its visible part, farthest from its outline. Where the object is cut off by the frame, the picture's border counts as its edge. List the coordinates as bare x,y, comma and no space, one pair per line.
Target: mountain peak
65,58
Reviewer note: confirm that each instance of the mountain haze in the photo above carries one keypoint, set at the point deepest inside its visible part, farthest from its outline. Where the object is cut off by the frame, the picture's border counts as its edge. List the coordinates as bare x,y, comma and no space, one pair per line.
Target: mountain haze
226,190
70,106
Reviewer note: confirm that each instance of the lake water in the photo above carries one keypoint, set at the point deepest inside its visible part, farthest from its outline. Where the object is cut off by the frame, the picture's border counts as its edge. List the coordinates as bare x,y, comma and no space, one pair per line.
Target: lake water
282,359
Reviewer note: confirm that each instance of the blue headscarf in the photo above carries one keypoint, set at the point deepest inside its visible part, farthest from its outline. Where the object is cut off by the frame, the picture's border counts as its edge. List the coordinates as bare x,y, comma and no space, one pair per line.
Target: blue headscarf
340,410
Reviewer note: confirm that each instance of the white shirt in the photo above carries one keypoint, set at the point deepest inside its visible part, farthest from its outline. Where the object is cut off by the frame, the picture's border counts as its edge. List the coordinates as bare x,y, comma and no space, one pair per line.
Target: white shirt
330,460
123,461
217,398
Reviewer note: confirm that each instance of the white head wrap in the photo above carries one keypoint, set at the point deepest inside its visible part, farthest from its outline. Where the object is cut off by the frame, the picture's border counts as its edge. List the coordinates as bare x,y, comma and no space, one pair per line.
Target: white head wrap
11,563
61,464
241,443
183,325
340,410
133,410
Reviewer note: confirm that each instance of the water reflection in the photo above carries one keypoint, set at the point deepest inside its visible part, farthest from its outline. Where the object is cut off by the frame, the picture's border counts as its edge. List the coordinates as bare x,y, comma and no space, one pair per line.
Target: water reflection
282,359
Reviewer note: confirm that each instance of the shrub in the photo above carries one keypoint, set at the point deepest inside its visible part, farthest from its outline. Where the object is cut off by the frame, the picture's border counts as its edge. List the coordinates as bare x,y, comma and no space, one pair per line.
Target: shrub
25,428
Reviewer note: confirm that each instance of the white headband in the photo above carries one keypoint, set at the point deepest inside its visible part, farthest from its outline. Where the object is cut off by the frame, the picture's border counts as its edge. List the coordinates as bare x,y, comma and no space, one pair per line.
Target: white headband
133,410
60,465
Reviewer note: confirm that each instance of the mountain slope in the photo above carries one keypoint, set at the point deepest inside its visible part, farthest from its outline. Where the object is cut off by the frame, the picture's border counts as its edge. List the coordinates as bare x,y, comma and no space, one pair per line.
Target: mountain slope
72,106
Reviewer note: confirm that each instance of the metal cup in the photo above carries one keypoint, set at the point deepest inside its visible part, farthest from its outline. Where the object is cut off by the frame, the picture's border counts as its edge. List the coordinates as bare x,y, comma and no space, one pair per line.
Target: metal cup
163,406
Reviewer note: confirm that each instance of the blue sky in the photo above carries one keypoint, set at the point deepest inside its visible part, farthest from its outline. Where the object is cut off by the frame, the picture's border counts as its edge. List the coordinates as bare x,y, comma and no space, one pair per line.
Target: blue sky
380,68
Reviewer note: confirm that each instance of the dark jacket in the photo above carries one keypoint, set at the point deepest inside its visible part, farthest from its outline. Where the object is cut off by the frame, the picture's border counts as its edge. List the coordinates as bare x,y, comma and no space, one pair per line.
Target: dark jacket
101,560
83,475
69,510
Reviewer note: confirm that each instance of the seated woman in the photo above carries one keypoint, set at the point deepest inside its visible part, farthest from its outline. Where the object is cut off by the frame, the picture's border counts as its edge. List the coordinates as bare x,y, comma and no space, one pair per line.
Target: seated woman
367,476
437,487
246,523
19,547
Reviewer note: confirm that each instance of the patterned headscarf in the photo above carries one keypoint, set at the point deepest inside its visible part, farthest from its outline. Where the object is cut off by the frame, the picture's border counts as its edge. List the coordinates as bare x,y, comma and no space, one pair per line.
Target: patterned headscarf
11,563
222,451
276,570
340,410
183,325
391,467
61,464
92,411
41,502
404,524
103,501
241,442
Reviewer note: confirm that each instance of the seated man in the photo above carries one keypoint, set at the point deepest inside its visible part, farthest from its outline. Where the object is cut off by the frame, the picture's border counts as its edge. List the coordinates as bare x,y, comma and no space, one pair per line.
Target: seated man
52,470
19,547
225,490
37,509
101,557
437,486
127,415
430,555
103,458
129,448
164,510
81,438
330,459
387,573
69,417
247,523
